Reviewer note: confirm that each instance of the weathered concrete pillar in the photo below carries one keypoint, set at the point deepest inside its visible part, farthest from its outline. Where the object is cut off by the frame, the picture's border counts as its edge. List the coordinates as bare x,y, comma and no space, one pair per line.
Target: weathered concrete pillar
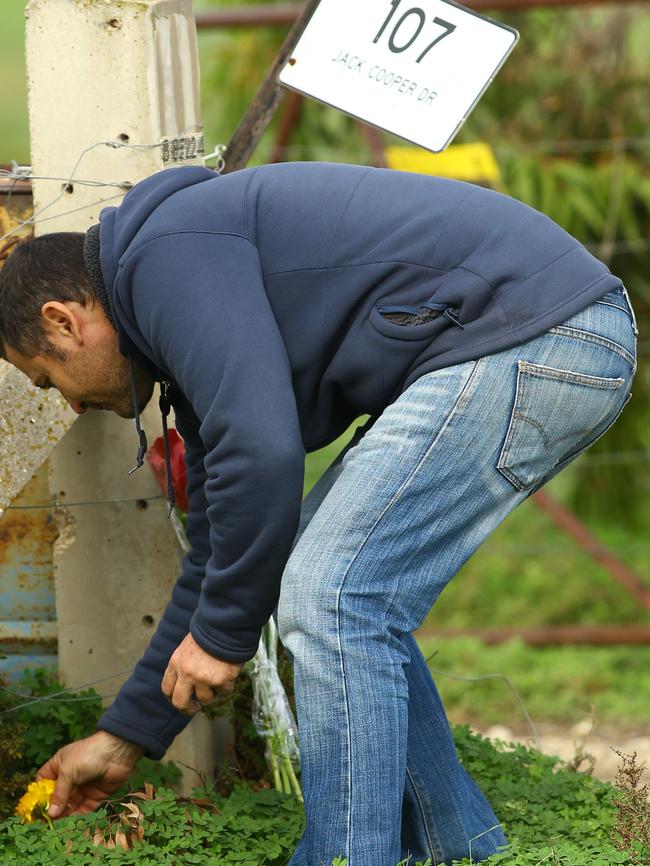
113,89
113,97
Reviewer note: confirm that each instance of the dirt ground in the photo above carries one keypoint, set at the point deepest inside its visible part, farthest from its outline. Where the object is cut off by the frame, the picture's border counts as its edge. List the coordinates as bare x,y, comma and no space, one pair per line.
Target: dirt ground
594,741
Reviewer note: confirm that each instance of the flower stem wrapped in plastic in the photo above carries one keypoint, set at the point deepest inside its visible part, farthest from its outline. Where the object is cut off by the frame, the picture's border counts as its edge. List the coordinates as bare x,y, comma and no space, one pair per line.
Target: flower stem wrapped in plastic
272,714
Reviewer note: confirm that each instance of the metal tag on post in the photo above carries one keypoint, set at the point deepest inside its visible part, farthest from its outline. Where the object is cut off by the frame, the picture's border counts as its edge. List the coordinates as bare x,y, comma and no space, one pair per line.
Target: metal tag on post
414,70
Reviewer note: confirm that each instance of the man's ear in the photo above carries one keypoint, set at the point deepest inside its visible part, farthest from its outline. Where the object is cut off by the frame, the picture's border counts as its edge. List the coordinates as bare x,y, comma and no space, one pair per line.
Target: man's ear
62,322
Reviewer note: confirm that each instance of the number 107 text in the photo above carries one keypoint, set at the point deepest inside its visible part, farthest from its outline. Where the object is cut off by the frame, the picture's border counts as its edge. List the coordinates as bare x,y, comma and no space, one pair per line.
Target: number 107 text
417,17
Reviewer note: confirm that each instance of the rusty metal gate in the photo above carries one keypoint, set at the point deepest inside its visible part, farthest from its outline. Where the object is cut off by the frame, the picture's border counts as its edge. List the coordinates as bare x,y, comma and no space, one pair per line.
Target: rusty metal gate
28,628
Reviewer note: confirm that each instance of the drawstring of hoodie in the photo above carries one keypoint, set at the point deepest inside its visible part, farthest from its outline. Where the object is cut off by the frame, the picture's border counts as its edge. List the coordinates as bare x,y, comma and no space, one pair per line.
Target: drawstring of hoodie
165,408
142,450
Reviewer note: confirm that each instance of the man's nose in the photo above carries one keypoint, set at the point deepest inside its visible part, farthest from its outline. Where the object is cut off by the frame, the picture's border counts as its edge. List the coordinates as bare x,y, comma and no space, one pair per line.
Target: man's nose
77,406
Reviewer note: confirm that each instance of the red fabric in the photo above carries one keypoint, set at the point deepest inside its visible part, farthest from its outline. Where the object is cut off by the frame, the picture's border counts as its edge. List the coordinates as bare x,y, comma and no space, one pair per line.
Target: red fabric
156,459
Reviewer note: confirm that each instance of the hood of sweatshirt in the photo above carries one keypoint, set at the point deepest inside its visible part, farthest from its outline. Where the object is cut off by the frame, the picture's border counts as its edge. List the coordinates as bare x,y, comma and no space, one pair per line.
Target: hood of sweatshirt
104,246
117,234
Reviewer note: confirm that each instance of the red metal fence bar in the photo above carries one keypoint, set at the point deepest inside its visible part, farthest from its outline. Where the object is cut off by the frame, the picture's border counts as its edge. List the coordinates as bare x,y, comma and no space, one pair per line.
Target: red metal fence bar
550,635
286,14
14,187
574,527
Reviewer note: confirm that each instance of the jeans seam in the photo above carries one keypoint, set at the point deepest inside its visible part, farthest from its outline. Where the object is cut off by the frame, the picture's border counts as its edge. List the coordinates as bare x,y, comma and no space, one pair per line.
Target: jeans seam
556,374
433,852
588,337
459,402
406,481
348,733
505,450
616,306
344,578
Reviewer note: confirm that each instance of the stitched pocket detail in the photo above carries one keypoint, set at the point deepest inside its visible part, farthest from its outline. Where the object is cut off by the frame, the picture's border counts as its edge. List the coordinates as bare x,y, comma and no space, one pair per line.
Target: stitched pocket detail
588,337
554,412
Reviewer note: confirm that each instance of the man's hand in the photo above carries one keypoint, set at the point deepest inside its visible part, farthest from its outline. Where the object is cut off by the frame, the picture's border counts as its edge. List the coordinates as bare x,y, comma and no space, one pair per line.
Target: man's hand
88,771
194,677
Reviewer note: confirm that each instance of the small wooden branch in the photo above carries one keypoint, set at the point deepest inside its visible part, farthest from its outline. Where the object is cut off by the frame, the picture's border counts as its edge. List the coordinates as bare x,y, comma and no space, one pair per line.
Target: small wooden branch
266,101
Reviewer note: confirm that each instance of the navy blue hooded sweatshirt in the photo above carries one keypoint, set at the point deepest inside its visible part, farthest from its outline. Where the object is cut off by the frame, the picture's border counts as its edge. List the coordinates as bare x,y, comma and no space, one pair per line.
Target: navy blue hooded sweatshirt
265,298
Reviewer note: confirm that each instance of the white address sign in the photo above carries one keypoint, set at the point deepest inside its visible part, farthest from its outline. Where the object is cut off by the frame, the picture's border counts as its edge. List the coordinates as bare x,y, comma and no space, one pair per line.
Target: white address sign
413,70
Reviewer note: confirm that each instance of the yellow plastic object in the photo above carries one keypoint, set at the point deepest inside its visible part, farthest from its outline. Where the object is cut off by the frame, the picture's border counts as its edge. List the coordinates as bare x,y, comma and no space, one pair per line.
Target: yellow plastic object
471,162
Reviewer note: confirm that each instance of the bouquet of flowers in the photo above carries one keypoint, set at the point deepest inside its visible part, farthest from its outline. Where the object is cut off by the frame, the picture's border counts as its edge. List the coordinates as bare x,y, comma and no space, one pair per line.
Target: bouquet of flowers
272,715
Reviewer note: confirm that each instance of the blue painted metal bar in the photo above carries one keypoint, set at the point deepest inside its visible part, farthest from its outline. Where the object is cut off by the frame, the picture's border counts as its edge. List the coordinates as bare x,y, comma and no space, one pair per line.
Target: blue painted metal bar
28,627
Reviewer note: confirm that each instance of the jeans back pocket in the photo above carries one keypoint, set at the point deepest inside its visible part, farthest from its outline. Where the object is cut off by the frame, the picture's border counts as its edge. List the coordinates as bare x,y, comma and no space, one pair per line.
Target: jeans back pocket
556,414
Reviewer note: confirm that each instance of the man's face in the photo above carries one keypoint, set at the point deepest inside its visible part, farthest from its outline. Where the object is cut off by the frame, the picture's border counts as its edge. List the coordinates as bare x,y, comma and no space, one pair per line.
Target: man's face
85,364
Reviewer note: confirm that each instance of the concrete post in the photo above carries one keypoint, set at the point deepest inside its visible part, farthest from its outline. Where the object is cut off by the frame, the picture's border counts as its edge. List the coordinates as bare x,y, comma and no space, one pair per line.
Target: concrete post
113,97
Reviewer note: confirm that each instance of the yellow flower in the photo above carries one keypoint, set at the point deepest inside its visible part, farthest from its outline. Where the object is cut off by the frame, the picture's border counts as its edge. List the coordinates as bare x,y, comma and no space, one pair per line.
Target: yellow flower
37,797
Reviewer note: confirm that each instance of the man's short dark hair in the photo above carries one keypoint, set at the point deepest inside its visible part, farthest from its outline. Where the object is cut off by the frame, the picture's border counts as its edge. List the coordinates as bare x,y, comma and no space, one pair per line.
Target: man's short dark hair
47,268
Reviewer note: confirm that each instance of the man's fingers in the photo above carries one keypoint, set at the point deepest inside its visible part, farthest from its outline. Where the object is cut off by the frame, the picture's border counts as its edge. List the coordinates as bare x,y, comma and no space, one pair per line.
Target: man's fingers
86,802
52,770
183,697
205,694
168,682
75,800
60,796
194,677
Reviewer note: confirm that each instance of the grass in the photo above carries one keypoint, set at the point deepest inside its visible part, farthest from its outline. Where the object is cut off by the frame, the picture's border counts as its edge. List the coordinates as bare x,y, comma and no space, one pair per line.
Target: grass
13,116
562,685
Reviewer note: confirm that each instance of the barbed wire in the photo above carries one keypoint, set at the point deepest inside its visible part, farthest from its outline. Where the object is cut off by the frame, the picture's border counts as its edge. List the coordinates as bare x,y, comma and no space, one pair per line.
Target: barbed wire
18,172
24,173
596,145
630,246
36,216
57,696
67,690
578,145
494,676
504,547
60,503
56,700
615,458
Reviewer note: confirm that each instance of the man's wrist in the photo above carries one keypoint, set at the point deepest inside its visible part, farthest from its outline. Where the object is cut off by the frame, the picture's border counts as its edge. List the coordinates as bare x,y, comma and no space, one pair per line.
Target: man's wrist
122,749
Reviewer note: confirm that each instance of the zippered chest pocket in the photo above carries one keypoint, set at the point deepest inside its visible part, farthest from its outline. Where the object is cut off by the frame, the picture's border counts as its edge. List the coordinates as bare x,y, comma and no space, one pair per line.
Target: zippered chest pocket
413,322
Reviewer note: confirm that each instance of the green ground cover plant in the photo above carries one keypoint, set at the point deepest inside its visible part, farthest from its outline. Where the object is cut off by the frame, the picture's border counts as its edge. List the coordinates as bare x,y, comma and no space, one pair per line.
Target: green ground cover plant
37,719
551,814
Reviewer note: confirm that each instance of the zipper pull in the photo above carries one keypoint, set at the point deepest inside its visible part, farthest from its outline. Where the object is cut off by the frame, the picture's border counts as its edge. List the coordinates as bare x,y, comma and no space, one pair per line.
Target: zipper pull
452,315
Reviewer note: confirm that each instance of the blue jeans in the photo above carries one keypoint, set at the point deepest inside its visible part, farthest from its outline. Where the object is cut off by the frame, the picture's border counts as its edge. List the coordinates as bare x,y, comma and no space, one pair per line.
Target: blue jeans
382,533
